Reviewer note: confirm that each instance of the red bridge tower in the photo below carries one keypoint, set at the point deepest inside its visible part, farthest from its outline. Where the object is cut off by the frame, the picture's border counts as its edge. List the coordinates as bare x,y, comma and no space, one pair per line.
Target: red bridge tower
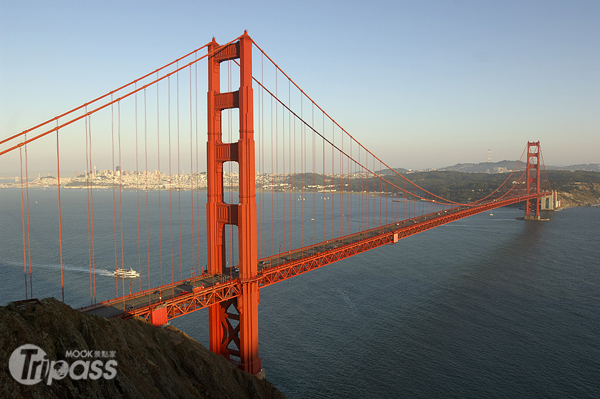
532,180
233,324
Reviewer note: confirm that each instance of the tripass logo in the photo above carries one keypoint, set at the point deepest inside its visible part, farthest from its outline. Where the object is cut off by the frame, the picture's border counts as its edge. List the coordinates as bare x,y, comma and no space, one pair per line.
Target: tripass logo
29,365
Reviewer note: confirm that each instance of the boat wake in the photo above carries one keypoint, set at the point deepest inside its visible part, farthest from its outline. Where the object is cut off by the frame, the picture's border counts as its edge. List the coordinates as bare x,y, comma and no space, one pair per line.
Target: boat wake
79,269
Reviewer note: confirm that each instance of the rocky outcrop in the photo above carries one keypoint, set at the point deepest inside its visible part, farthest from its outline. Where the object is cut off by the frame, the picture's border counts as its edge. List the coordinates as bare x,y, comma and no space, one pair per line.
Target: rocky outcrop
151,362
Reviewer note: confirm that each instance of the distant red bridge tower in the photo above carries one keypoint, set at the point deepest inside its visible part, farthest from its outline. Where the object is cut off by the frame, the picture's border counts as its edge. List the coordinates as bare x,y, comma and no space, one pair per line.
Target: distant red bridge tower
532,180
233,324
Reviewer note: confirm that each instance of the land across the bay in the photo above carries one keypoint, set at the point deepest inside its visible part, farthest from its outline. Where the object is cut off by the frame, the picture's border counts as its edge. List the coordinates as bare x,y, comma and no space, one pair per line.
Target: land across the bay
575,188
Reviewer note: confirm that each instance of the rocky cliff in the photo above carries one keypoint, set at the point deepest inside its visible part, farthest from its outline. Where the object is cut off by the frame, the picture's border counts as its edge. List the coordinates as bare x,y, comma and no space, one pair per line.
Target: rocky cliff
90,357
579,194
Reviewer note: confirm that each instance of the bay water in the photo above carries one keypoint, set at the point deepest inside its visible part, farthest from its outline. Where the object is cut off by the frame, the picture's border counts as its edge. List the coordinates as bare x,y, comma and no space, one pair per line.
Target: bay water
487,306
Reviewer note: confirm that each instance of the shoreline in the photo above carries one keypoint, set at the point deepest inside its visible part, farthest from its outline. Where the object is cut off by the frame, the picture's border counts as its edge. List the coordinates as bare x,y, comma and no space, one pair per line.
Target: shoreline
567,200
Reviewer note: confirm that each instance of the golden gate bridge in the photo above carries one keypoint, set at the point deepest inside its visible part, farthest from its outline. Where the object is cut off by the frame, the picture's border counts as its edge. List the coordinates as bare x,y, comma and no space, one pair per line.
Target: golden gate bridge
287,188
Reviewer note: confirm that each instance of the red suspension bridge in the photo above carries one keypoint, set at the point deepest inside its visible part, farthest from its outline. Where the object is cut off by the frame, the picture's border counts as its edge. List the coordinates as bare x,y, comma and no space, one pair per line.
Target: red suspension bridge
286,190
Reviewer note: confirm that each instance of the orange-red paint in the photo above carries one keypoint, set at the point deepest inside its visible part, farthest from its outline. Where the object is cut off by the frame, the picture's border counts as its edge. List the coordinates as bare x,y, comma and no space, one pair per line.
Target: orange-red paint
532,178
233,324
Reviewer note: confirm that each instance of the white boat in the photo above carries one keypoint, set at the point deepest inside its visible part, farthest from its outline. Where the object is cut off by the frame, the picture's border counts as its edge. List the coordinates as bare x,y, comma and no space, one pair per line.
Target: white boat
124,273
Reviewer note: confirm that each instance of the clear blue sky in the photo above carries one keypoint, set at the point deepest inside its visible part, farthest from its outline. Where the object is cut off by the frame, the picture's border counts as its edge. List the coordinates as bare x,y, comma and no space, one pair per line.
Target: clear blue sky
421,83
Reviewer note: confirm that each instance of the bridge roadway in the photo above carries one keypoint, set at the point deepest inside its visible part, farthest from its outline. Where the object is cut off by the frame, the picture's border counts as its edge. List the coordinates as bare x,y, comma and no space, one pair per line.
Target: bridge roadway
197,292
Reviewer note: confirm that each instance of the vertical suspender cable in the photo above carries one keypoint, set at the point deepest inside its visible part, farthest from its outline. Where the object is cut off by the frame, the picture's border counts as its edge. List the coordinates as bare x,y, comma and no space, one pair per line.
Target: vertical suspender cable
373,189
332,179
93,242
341,185
146,186
323,184
350,191
62,282
295,188
170,172
290,147
260,193
88,191
137,189
358,201
23,221
262,124
159,182
276,168
191,171
112,129
303,174
120,193
380,196
28,230
197,170
283,168
272,182
179,181
314,173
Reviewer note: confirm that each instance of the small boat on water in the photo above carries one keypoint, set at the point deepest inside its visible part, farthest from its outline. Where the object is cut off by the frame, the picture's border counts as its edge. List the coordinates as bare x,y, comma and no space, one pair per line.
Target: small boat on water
124,273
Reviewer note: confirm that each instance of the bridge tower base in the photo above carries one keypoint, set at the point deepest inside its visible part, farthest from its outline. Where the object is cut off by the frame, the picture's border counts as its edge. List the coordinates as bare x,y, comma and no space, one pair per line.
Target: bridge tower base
233,324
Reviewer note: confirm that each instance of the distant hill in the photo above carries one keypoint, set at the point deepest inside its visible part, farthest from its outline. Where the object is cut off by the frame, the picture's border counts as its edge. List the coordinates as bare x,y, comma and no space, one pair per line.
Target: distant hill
389,172
508,166
484,167
588,167
575,188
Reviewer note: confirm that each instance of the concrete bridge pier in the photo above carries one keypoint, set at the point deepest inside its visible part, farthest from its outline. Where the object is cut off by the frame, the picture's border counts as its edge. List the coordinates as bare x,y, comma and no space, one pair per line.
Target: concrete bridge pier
549,202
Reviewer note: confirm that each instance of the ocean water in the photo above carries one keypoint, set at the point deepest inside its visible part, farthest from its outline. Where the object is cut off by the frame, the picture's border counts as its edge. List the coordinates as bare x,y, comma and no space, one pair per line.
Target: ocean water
488,306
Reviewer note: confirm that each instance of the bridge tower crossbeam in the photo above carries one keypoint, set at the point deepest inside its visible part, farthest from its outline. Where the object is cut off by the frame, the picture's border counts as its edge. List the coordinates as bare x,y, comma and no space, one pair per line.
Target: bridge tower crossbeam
233,324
